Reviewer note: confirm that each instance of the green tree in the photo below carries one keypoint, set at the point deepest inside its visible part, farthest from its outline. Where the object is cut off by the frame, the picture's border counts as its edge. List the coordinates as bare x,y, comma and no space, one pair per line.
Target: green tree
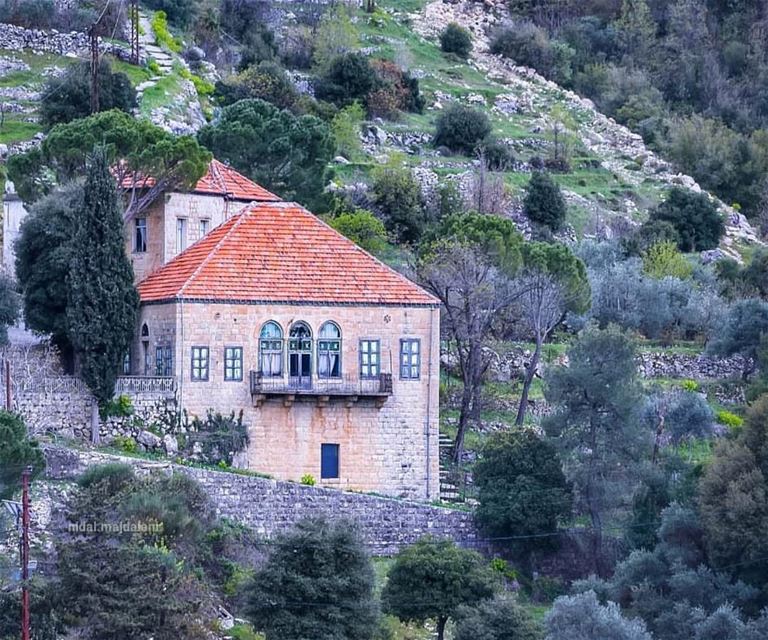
637,30
461,129
349,77
456,39
102,302
544,203
317,583
287,154
136,149
743,333
17,451
502,618
68,97
266,81
43,258
663,260
345,127
694,216
10,304
582,617
596,426
521,489
336,36
363,228
733,500
431,579
397,196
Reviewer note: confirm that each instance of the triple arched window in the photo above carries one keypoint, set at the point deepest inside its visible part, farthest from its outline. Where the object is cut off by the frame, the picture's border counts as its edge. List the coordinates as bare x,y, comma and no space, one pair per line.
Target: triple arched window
300,351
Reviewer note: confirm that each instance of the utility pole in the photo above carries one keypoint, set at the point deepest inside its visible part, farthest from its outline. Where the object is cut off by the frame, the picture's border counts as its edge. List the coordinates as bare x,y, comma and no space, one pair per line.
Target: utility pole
134,32
25,553
94,67
8,395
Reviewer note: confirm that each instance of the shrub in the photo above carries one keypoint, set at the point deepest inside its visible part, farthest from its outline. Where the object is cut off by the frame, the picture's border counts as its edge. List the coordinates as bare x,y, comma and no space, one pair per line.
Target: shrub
497,155
179,12
502,618
266,81
397,196
729,419
363,228
345,128
695,218
125,443
529,45
308,479
17,451
663,260
159,24
349,77
203,87
461,128
456,39
119,407
219,438
398,90
544,203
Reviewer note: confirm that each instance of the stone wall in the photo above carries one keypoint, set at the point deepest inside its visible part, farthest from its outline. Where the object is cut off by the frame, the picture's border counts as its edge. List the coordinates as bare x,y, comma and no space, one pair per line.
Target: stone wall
13,38
269,506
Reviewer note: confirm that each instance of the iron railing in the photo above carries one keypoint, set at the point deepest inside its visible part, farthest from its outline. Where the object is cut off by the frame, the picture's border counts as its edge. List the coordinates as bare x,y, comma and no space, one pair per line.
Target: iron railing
145,384
348,385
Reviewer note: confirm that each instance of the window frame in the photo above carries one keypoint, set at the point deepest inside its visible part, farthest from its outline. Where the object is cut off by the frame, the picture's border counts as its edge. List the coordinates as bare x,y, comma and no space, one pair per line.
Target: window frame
181,234
140,231
410,365
264,342
337,448
199,377
163,360
205,227
327,352
227,368
369,364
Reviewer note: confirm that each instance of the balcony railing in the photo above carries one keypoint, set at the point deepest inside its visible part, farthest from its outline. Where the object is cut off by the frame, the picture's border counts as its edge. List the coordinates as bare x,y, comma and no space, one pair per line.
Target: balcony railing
145,384
346,386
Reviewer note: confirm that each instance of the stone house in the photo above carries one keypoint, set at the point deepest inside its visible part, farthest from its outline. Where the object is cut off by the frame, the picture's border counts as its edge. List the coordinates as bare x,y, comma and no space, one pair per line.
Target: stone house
332,356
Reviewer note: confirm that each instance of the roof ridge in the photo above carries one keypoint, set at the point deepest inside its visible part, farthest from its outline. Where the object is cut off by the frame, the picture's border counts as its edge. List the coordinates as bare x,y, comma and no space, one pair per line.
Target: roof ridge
238,218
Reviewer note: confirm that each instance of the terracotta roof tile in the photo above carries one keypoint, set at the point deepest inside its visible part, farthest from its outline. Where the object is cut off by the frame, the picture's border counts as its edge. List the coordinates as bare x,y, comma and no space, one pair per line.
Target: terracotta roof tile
279,252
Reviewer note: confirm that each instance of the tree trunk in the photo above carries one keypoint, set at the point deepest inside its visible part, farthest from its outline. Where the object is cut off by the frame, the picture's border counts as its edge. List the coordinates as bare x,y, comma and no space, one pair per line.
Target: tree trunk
95,437
657,441
466,408
529,374
441,627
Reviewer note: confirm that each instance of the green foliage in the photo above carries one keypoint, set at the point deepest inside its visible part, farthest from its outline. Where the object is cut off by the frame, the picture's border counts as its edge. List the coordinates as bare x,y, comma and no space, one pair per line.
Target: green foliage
126,443
317,583
689,385
345,127
43,258
68,97
497,155
203,87
336,36
582,617
349,77
663,260
308,479
180,13
461,129
219,438
502,618
153,67
111,477
285,153
363,228
120,407
743,333
456,39
432,579
695,218
544,203
397,195
521,488
159,24
17,451
102,302
265,81
729,419
529,46
10,305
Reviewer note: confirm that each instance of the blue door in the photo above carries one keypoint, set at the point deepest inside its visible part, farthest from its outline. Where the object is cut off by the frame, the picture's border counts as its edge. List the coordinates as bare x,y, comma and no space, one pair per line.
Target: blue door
329,461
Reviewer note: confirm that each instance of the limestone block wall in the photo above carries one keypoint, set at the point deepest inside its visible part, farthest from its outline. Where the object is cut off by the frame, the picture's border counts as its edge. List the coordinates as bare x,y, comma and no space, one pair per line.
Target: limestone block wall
391,449
271,506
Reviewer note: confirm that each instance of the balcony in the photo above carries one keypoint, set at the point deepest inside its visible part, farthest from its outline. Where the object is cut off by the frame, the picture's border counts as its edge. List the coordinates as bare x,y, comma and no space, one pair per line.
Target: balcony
132,385
349,389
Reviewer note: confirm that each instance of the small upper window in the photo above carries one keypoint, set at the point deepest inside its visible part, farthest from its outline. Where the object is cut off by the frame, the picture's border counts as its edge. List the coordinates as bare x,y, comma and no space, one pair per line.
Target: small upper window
181,234
200,364
410,358
205,227
140,237
144,331
329,351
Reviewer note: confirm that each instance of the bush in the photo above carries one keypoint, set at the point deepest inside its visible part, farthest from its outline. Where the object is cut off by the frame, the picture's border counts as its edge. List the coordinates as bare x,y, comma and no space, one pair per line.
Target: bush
582,617
219,438
694,217
502,618
17,451
544,203
159,24
497,155
397,91
456,39
266,81
349,77
529,45
461,128
345,128
729,419
180,13
397,196
308,479
363,228
663,260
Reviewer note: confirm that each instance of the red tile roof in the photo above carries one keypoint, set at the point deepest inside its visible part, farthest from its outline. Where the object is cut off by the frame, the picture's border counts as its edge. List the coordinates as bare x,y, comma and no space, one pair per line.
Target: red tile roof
279,252
219,180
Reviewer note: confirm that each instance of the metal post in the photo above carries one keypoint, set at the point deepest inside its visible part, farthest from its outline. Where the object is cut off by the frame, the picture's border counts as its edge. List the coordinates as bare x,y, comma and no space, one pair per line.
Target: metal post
94,68
25,553
8,395
135,32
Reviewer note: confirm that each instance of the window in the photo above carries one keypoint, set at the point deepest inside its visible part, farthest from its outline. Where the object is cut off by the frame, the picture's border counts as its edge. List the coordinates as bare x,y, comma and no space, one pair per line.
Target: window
300,355
329,461
233,363
181,234
370,358
329,351
205,227
271,350
127,364
163,361
200,363
140,237
410,358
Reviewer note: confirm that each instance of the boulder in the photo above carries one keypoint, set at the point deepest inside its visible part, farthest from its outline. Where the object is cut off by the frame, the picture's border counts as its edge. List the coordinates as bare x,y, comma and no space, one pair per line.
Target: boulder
149,440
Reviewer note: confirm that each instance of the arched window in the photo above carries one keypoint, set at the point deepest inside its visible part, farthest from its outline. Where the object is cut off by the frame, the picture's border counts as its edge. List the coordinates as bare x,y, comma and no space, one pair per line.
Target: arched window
271,349
300,355
329,351
144,331
145,349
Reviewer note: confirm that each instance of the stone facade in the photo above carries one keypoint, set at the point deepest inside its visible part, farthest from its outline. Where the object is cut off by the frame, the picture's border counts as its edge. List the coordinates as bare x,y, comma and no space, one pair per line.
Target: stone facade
271,506
386,444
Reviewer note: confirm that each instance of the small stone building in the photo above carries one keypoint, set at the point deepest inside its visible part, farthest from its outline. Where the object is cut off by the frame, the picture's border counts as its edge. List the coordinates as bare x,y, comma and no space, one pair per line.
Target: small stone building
332,356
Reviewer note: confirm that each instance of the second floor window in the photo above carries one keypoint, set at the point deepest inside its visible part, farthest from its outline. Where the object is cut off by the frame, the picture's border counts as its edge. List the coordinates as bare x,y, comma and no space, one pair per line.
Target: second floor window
233,363
370,358
410,359
200,364
163,361
140,238
271,348
329,351
181,234
205,227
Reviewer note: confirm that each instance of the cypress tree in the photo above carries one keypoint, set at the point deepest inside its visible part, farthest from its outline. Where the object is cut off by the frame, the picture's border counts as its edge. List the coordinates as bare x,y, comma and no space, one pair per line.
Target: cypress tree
102,302
544,202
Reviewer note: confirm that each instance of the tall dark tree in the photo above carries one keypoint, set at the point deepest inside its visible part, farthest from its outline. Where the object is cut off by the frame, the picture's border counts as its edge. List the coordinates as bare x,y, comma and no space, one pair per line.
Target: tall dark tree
102,302
43,260
317,583
543,201
10,304
17,451
695,218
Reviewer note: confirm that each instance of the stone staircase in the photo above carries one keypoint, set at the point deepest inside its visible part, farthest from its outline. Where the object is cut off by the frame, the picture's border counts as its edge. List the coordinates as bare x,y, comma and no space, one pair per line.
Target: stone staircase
449,492
150,50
